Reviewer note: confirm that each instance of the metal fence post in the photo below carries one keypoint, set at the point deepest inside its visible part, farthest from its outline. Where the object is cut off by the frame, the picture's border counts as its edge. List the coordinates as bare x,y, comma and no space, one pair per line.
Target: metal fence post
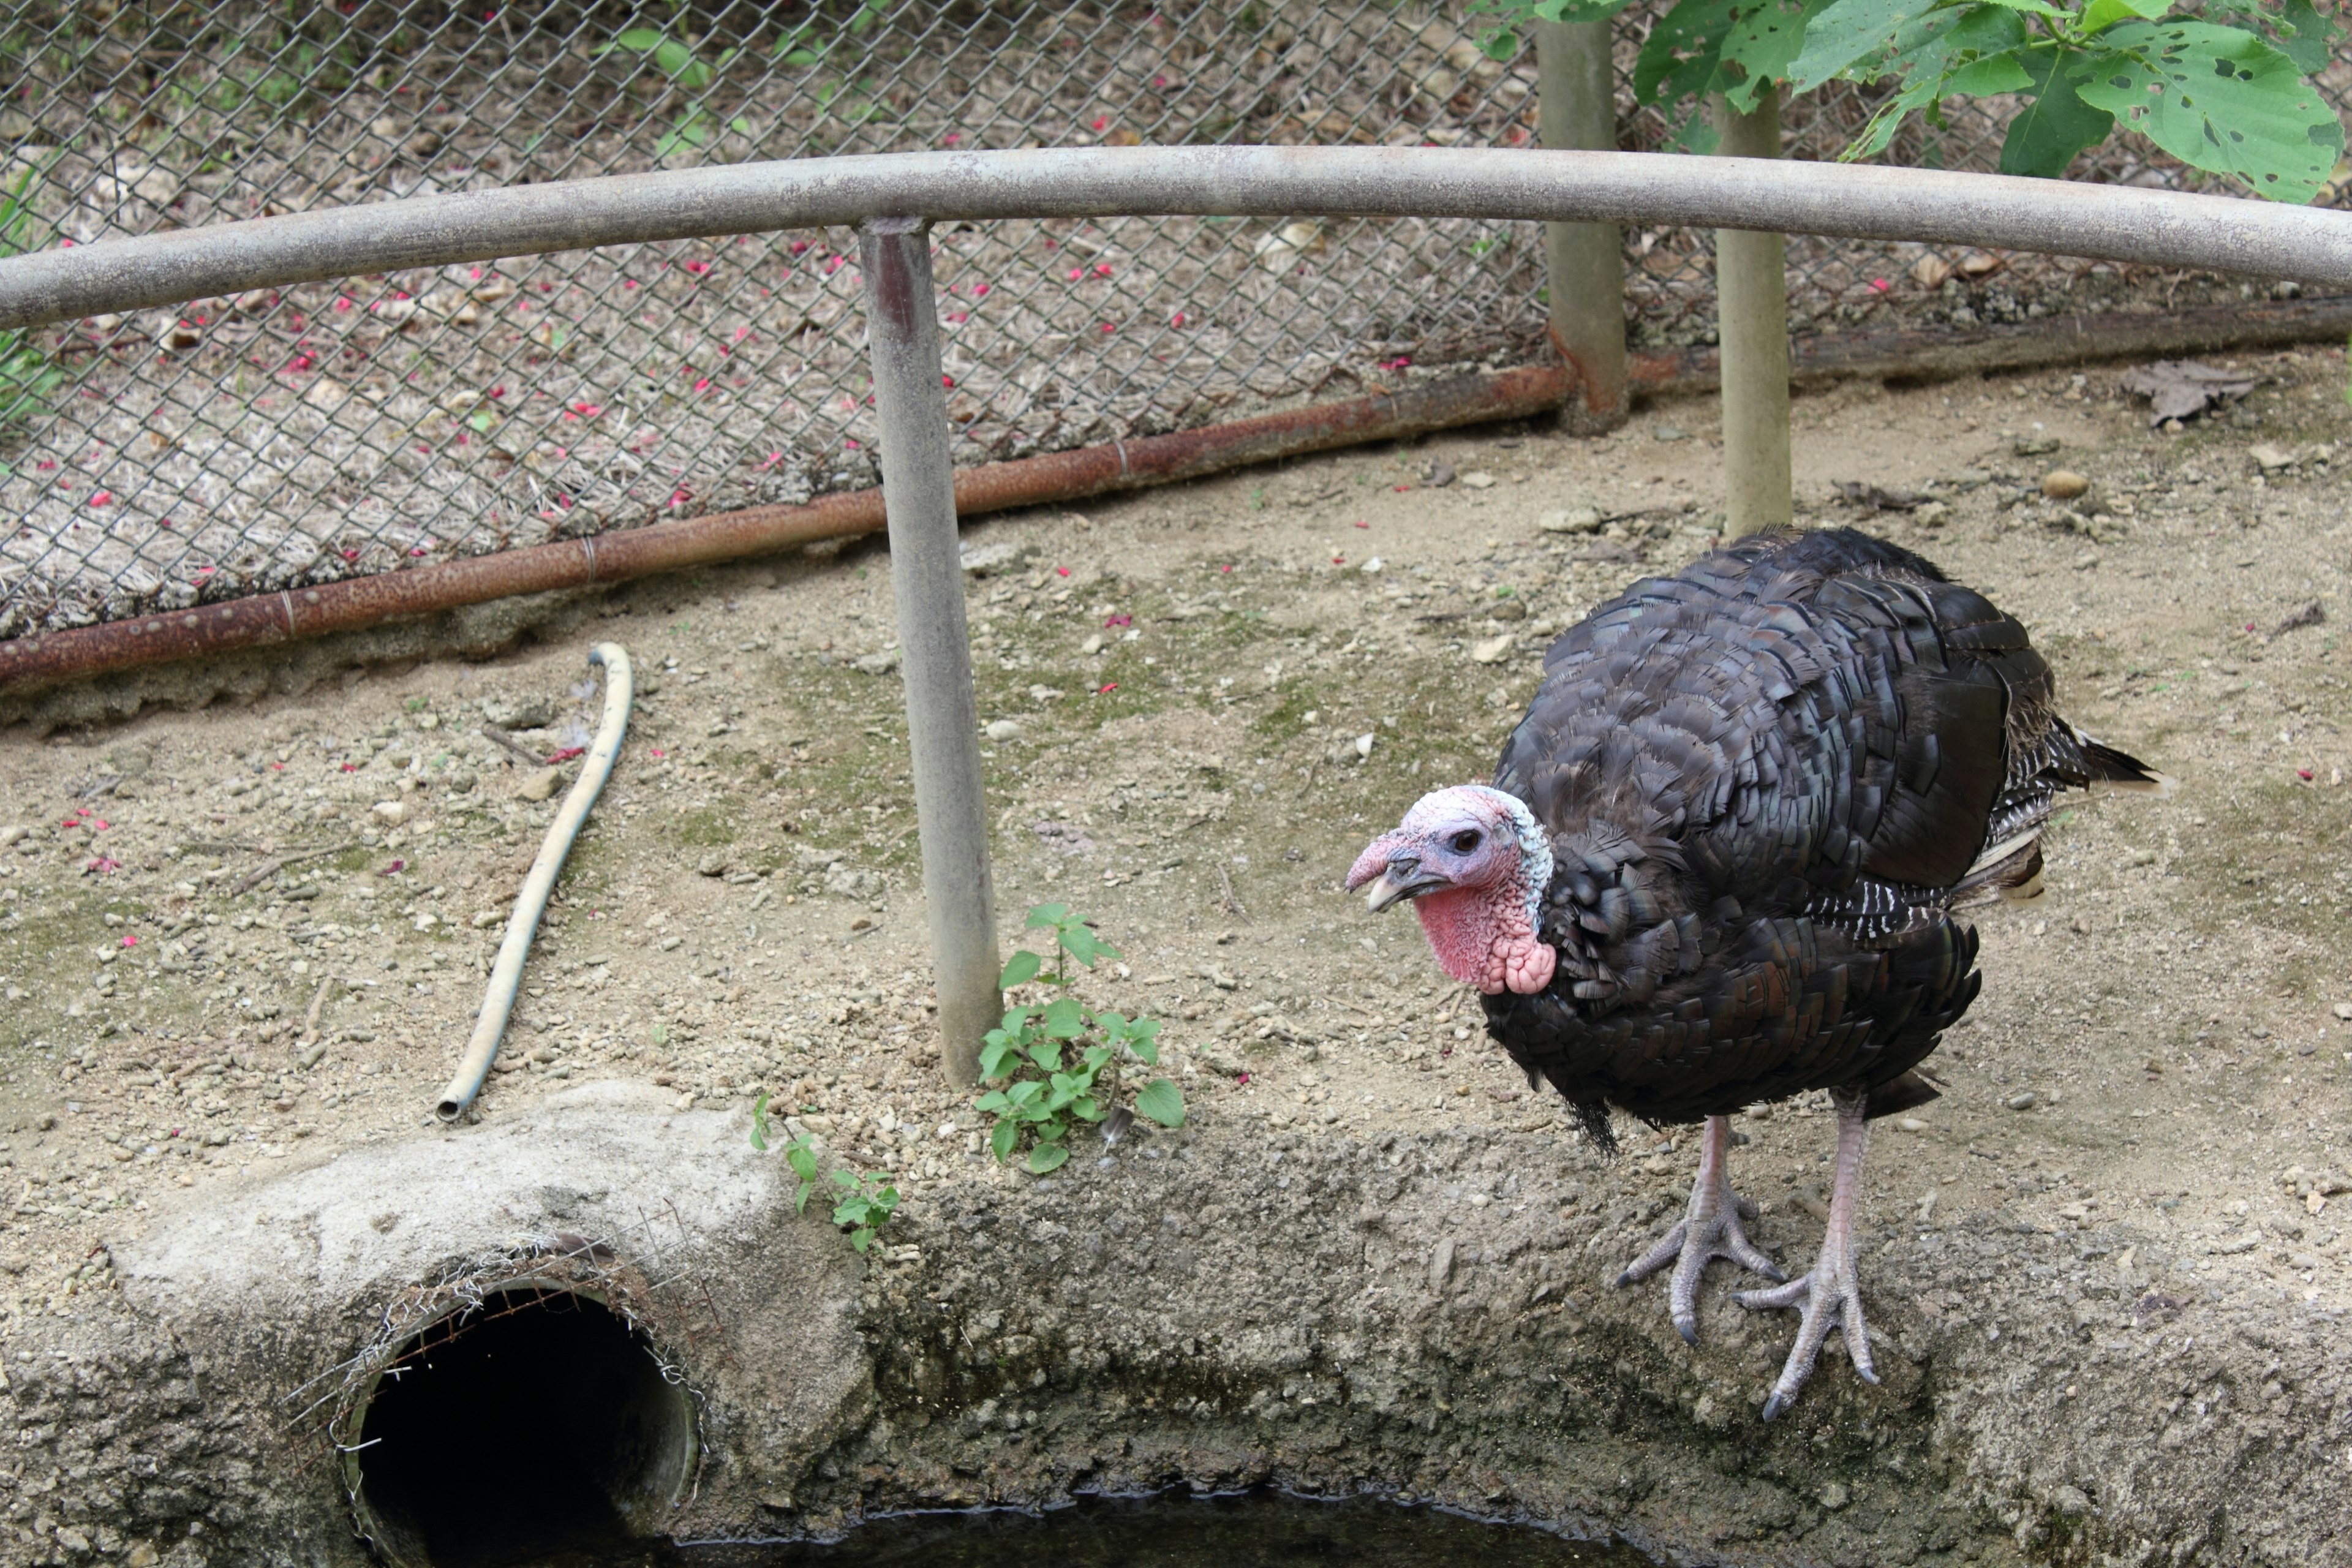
1584,263
926,573
1751,302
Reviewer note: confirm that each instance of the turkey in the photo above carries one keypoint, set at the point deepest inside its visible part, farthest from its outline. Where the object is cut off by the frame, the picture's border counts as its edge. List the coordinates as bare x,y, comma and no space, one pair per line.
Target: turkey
1721,857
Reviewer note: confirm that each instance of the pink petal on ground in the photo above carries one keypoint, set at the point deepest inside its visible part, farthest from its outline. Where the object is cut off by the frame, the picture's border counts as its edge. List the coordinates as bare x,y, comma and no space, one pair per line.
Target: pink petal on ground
980,289
130,941
102,497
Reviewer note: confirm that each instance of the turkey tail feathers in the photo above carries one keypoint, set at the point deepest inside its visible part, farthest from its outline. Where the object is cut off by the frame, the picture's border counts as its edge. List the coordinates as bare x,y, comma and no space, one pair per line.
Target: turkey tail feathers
2120,770
1906,1092
2010,871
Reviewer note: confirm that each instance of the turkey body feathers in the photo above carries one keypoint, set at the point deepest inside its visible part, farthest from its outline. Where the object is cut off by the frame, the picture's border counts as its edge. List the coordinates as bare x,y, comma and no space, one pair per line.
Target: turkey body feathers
1767,780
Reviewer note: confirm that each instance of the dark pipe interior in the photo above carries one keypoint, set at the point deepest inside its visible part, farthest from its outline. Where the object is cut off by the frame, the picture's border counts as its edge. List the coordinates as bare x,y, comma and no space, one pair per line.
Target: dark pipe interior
541,1424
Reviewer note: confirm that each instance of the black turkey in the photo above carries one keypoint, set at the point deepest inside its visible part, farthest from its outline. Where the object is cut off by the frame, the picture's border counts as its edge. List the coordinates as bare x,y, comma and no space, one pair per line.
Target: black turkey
1720,859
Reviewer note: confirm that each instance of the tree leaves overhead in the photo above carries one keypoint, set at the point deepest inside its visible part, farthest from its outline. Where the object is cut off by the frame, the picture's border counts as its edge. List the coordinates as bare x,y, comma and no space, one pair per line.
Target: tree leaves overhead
2223,90
2220,98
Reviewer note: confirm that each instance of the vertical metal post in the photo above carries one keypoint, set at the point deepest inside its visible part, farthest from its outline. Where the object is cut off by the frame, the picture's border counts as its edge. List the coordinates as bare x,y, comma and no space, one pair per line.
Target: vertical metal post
1751,304
1584,263
926,573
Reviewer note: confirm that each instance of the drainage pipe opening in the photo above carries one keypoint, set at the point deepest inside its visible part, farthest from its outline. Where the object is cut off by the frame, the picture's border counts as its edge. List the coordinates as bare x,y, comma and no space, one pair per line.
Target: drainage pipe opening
536,1423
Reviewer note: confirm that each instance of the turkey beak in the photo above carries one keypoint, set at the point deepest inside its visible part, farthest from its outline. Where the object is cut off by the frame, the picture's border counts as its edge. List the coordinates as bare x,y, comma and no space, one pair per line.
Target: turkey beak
1404,879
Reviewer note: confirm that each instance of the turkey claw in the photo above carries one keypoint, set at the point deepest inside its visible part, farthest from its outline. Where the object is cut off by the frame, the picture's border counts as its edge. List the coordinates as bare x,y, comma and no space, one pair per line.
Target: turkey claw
1710,1230
1830,1297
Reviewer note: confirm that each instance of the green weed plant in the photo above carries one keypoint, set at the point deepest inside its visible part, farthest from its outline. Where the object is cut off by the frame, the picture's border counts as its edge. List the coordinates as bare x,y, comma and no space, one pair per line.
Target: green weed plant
1057,1065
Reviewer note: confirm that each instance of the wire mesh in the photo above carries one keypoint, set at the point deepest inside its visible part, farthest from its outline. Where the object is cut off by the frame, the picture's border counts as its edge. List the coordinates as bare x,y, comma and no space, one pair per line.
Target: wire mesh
302,435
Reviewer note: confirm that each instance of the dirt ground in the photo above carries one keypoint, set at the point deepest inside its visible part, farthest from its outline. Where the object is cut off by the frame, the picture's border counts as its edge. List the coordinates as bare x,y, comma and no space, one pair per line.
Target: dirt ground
1205,701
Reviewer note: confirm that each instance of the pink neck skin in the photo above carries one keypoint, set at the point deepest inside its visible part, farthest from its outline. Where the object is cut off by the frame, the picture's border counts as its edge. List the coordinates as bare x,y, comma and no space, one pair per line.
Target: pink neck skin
1482,936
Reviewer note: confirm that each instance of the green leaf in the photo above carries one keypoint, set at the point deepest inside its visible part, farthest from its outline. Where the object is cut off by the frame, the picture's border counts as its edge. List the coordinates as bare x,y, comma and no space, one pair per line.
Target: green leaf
1980,78
1086,1108
638,38
1019,969
1047,1055
672,56
1684,52
2055,124
1147,1051
1002,1138
760,1124
991,1103
1162,1101
1047,915
862,1237
1047,1157
845,1179
1025,1094
1849,31
1064,1019
2101,15
802,1159
2306,37
1079,944
2220,99
800,1203
1762,43
741,126
998,1060
1573,11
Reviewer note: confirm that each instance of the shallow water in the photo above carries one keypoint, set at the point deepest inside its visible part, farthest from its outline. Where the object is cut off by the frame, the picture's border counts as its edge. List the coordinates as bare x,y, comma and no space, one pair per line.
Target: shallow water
1262,1529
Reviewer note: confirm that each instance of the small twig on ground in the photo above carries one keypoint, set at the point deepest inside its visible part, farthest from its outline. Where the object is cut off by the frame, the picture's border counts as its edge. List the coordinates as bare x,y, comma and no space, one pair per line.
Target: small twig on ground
277,863
1233,904
1309,781
517,747
317,1003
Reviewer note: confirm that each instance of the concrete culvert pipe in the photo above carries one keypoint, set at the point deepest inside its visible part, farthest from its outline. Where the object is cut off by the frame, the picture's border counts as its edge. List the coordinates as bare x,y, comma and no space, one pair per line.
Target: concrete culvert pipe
535,1422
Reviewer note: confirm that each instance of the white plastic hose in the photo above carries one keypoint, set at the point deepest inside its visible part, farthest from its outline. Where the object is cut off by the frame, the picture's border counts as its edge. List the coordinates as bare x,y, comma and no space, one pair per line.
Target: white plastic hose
506,974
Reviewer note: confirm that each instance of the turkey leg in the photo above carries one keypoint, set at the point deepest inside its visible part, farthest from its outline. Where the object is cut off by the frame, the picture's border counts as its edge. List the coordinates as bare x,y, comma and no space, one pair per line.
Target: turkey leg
1829,1293
1708,1231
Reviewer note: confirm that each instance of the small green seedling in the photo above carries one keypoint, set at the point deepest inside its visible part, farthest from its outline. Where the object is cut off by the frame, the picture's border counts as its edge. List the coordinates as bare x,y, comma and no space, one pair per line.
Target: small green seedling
1056,1065
867,1200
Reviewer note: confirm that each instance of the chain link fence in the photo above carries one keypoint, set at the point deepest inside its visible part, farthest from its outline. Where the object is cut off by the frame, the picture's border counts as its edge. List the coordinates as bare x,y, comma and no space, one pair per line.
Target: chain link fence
303,435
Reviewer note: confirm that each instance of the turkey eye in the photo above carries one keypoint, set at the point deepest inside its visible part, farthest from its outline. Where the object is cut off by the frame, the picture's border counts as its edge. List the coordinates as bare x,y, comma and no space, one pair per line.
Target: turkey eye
1465,841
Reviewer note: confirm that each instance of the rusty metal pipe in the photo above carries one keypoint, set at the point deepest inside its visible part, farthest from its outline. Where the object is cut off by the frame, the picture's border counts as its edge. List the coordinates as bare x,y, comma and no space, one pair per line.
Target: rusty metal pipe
208,630
31,662
2115,223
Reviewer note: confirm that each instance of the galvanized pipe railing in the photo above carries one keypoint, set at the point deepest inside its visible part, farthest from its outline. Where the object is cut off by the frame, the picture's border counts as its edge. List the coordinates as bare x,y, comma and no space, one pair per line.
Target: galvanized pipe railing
891,196
2115,223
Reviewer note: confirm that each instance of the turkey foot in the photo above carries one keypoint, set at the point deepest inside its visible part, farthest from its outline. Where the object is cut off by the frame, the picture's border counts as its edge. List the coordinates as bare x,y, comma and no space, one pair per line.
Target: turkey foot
1829,1293
1709,1231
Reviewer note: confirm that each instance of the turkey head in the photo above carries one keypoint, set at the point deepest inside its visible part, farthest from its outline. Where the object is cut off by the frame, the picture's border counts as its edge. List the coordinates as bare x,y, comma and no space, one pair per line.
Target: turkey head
1476,865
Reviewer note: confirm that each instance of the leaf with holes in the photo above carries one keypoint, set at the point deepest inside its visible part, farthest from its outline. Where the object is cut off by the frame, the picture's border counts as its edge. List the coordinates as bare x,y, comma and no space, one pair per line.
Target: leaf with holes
2220,99
1848,33
1763,42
